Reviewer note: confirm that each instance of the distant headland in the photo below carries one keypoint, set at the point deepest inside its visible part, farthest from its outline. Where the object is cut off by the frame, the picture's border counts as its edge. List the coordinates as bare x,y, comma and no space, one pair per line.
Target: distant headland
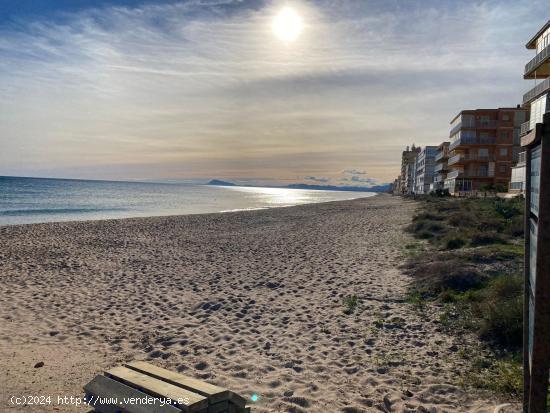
375,188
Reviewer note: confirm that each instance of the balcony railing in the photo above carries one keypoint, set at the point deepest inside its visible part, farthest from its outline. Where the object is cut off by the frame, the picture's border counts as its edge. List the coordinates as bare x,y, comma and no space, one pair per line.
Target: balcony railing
537,91
453,159
457,173
455,129
538,60
525,128
486,124
462,157
461,125
440,167
441,155
453,174
489,140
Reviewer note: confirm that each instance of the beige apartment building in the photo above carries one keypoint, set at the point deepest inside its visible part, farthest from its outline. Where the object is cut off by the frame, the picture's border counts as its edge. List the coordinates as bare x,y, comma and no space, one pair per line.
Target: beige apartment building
484,145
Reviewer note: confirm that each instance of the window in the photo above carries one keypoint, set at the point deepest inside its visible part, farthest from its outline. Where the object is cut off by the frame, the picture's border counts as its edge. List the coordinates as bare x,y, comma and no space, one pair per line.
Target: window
484,135
502,169
517,139
468,121
538,109
504,135
483,152
503,151
506,117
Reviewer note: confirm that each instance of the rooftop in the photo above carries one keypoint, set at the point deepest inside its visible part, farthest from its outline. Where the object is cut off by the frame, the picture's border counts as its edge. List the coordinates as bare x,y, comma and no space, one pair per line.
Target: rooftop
518,107
532,44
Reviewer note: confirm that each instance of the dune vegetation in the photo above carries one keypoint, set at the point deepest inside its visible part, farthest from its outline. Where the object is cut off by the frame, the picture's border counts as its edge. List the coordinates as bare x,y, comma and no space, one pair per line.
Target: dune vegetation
467,265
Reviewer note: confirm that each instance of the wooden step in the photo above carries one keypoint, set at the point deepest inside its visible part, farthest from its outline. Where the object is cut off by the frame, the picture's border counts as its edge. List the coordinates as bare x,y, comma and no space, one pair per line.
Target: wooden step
106,395
213,393
183,399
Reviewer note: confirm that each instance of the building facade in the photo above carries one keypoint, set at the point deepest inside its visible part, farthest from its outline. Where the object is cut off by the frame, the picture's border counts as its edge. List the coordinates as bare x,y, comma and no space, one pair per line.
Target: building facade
408,170
441,167
538,69
425,164
484,145
537,99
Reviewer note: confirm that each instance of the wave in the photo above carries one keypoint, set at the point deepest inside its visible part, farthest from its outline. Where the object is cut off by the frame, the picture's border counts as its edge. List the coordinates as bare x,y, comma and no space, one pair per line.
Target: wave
243,209
50,211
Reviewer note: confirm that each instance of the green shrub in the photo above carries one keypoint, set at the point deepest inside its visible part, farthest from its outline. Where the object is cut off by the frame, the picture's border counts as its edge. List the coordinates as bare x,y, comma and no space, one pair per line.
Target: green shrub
428,216
515,227
424,234
503,376
452,274
350,304
502,311
486,238
454,243
462,219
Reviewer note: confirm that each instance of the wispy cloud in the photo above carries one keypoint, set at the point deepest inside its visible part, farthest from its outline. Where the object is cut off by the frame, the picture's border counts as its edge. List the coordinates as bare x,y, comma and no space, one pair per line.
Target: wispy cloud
202,88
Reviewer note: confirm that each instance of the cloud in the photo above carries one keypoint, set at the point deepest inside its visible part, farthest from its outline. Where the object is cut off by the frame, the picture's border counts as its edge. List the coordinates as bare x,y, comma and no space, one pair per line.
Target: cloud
348,177
202,88
317,179
355,172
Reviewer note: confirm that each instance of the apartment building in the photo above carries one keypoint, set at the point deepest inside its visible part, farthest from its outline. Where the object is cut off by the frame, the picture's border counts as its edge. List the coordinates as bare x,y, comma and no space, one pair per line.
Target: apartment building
484,145
441,167
425,164
538,69
537,98
408,170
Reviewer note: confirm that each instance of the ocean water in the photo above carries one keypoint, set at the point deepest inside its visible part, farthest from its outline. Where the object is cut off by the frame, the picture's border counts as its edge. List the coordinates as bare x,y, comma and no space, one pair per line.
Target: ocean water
34,200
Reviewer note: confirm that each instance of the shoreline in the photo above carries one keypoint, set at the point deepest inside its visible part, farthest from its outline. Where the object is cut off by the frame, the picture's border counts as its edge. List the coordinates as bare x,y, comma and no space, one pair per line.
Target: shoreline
375,194
252,301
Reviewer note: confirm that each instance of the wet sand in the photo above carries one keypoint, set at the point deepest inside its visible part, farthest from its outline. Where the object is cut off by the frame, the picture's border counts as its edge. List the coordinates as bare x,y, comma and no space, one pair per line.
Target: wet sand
248,300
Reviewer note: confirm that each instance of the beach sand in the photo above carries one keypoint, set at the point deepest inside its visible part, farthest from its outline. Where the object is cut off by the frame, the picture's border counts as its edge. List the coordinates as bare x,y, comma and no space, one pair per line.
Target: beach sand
249,300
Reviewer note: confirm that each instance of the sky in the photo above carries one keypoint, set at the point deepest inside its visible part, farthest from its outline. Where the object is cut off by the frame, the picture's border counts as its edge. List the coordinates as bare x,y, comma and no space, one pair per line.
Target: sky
199,89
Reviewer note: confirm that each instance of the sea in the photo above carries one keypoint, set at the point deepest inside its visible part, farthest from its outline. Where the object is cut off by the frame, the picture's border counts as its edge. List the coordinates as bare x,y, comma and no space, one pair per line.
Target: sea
36,200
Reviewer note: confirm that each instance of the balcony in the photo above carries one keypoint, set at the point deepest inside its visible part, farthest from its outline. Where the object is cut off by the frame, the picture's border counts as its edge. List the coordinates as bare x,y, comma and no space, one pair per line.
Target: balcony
462,141
441,156
455,129
440,167
462,125
487,124
525,128
462,158
538,90
539,66
457,173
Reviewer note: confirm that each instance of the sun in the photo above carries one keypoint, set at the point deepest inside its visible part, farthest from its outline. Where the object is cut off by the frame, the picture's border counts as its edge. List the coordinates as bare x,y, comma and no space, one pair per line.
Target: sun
287,25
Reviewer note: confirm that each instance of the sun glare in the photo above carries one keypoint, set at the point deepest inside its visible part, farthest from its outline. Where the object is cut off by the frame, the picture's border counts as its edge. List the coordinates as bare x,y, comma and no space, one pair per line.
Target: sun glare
287,25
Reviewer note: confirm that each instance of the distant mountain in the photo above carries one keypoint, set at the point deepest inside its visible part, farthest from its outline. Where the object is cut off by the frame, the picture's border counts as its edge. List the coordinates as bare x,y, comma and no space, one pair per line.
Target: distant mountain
376,188
217,182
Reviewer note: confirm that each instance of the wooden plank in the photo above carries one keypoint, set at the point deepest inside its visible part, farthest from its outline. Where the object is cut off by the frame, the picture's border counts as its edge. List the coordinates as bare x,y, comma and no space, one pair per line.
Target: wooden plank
214,393
106,395
187,401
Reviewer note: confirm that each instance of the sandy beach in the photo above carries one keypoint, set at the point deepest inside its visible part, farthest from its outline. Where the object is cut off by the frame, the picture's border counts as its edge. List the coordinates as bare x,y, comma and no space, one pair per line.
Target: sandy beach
249,300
